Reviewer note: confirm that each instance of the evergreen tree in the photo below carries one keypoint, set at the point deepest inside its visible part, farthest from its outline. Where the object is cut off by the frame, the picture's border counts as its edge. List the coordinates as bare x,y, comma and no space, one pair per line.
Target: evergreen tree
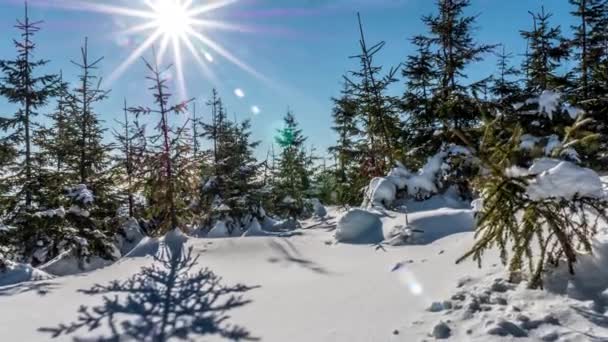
292,182
169,174
129,137
376,110
591,42
347,151
92,152
451,37
505,87
232,194
418,101
546,50
20,85
213,130
514,221
589,38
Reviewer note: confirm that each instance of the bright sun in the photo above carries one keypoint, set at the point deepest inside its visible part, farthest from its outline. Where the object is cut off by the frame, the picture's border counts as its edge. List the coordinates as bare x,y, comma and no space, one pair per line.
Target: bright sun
173,18
176,28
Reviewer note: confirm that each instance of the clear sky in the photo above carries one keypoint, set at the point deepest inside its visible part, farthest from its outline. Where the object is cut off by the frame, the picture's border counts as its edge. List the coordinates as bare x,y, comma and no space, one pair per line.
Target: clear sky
296,50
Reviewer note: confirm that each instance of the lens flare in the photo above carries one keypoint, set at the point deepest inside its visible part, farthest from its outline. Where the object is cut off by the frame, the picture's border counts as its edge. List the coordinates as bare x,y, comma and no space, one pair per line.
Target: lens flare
175,26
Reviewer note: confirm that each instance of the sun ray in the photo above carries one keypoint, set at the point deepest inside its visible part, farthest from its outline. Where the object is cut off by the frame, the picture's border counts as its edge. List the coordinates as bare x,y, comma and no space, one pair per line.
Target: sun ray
164,45
176,25
103,8
138,28
226,54
141,49
181,83
221,25
202,65
210,7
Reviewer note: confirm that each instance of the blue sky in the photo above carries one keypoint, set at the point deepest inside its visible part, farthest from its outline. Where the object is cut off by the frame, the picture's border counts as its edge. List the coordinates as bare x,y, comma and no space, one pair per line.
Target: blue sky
301,47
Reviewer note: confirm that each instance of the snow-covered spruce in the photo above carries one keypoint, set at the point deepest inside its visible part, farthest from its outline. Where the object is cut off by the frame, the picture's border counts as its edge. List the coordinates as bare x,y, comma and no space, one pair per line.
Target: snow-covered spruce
439,173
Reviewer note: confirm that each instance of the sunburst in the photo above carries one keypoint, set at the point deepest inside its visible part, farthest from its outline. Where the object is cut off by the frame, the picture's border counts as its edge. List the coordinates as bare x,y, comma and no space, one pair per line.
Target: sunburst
176,27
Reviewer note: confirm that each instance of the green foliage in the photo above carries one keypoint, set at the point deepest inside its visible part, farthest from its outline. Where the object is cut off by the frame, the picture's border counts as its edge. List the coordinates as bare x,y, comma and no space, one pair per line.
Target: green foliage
528,233
20,85
168,174
292,182
84,230
547,48
231,190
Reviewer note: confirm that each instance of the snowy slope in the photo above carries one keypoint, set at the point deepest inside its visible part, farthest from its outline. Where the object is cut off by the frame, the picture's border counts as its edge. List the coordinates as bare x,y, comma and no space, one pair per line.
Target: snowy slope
310,288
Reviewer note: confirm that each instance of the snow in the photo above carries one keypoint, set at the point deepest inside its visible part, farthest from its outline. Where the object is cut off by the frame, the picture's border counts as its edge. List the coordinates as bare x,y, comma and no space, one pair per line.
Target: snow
528,142
382,191
81,194
68,264
564,180
358,226
130,237
78,211
307,288
17,273
318,208
220,230
550,102
60,212
553,143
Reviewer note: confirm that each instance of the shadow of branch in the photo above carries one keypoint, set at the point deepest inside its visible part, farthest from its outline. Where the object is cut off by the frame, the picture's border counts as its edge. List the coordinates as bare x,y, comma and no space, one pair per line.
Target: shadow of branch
162,302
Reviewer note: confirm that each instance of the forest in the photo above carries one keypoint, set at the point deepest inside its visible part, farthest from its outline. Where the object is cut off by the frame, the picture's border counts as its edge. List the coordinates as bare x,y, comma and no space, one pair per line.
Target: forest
524,148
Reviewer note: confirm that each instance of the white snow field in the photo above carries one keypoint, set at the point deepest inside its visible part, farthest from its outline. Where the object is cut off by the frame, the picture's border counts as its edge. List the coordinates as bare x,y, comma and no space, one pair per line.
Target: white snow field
308,288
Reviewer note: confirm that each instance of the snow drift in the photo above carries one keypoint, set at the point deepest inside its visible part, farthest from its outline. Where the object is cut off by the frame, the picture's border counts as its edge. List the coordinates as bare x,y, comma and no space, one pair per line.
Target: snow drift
359,226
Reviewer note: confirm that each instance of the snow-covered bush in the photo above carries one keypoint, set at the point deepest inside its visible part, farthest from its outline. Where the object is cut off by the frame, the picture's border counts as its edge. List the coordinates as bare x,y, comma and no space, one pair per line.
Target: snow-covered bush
39,236
538,214
453,165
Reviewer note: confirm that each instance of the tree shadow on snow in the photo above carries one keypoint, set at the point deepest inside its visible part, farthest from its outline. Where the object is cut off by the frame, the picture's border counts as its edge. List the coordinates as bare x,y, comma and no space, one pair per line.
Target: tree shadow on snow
290,255
595,318
163,302
41,288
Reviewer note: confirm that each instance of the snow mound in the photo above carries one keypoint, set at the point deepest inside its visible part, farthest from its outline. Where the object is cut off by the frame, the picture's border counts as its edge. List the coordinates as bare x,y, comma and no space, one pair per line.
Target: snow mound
220,230
173,242
67,263
590,283
358,226
318,208
130,237
18,273
382,191
564,180
255,229
440,223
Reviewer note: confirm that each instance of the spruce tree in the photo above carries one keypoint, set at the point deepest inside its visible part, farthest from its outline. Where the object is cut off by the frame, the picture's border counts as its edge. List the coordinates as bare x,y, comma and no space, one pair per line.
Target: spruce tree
20,85
376,109
451,36
506,86
129,137
547,48
420,73
589,38
169,174
590,41
92,152
347,151
292,182
232,193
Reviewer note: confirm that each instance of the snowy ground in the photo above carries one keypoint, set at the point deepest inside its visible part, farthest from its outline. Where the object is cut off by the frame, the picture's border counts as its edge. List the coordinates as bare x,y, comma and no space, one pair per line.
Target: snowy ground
309,288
